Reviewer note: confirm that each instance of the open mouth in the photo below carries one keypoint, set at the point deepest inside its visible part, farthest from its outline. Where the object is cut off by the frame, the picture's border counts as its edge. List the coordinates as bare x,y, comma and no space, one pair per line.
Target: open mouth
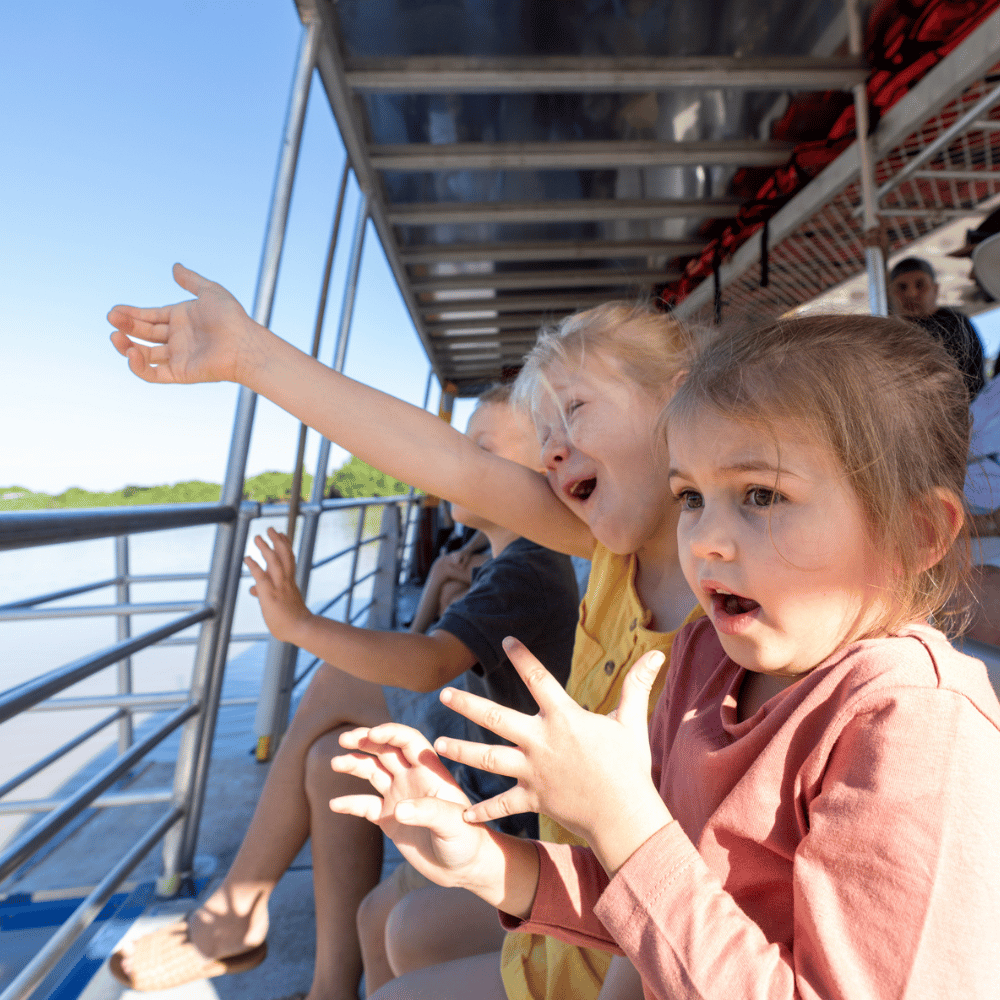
733,604
582,489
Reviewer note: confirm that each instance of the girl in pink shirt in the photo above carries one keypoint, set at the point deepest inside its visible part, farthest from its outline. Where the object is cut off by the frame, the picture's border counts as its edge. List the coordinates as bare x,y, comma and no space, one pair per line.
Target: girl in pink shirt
814,813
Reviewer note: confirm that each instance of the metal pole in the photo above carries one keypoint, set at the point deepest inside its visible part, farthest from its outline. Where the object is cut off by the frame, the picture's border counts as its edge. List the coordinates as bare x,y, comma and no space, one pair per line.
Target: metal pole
294,499
195,753
874,260
196,738
123,630
279,669
409,498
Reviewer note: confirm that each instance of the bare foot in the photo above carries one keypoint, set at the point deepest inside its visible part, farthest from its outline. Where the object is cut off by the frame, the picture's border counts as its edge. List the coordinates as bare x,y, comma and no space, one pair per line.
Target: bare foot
228,923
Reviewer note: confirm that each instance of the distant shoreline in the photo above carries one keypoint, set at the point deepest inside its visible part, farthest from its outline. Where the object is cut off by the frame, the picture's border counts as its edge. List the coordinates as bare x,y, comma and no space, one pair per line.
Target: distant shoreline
353,479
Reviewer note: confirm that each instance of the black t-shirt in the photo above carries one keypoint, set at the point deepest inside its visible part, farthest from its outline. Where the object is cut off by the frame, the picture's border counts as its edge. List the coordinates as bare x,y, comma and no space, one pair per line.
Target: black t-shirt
528,592
959,338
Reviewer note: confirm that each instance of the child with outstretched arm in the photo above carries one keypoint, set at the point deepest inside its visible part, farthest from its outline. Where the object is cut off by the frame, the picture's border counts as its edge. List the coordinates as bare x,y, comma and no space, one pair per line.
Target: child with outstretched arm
815,814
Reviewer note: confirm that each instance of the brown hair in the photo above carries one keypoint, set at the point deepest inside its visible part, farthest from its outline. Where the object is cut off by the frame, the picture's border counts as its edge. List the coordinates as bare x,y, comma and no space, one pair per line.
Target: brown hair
891,405
635,341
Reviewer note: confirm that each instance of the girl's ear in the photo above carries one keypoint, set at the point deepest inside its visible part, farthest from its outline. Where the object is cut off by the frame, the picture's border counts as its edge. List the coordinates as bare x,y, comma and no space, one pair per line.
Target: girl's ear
938,518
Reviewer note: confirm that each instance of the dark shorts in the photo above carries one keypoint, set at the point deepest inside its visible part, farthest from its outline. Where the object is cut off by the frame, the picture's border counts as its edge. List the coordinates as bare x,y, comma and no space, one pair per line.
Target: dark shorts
424,712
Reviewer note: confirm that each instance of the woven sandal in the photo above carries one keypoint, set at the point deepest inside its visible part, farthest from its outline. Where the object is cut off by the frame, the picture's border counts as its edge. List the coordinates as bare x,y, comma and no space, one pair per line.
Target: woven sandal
167,958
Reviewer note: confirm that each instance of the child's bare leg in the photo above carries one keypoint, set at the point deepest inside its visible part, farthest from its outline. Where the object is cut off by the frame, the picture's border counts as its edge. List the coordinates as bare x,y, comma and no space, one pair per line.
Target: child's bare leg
347,863
420,931
622,982
372,916
234,917
475,978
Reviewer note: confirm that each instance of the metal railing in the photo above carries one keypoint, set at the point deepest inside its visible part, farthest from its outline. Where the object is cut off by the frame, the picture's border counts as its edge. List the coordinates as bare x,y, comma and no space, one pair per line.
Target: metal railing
194,711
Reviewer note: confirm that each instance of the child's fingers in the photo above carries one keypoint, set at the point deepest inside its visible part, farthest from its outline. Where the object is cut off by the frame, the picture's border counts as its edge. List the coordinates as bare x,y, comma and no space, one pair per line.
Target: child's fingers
352,738
441,817
138,362
545,689
283,550
359,765
509,803
367,807
411,742
255,571
191,281
485,756
505,722
141,323
633,705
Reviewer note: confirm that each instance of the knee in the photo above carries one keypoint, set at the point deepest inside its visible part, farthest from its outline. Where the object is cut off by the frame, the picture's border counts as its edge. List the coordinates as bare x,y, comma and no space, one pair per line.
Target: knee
318,771
371,917
405,947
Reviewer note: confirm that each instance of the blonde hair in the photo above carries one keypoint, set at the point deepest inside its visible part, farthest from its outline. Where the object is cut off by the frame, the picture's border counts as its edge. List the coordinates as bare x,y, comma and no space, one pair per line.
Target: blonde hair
890,404
634,341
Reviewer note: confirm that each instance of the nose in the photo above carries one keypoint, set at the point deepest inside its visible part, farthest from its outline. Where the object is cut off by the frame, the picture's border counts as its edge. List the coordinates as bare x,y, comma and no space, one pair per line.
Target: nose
555,449
710,534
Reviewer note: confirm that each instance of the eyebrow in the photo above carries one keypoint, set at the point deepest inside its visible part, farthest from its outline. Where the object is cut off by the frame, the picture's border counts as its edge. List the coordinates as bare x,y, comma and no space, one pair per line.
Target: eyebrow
751,465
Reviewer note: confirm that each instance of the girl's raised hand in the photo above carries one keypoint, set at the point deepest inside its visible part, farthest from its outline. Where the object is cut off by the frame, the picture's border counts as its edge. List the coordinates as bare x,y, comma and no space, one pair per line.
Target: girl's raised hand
418,805
200,340
589,772
274,586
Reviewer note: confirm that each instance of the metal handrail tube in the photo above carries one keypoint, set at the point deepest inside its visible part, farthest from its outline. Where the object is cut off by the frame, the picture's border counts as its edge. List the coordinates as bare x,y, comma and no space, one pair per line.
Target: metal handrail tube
123,631
23,529
367,607
329,604
27,981
17,699
191,640
33,839
113,800
346,503
29,772
344,552
164,577
96,610
58,594
130,702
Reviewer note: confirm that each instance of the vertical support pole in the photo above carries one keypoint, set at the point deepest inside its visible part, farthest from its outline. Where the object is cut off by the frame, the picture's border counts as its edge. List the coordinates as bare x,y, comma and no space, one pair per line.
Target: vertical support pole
874,259
279,668
294,499
210,656
408,517
123,631
362,514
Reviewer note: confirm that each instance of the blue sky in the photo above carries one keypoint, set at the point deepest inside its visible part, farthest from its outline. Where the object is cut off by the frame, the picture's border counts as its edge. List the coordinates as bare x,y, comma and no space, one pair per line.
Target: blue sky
138,134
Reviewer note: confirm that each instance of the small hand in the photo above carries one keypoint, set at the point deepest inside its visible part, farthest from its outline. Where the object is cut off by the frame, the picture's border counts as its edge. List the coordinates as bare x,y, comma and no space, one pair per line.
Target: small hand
420,806
589,772
195,341
274,586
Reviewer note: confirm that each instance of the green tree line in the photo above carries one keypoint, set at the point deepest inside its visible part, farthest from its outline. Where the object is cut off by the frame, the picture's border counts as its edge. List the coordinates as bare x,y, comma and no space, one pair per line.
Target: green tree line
353,479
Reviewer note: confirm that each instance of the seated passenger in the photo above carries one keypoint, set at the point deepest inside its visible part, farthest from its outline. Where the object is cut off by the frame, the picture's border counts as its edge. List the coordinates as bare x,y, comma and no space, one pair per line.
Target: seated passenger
448,579
982,493
525,590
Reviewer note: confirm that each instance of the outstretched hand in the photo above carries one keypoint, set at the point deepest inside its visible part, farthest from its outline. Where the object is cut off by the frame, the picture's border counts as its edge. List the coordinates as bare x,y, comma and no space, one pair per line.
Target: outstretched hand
418,805
589,772
200,340
274,586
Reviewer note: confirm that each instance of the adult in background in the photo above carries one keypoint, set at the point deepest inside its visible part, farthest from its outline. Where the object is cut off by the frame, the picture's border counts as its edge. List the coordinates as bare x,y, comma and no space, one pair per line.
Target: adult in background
913,294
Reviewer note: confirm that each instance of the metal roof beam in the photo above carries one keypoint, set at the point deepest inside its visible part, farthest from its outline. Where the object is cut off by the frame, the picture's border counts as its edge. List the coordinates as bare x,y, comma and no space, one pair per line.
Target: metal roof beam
597,210
511,304
525,337
523,321
426,156
582,74
545,279
550,250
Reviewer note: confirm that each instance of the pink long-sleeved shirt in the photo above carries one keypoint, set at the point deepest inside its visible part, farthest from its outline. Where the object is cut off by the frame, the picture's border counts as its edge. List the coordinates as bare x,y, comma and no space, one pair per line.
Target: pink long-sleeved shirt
844,842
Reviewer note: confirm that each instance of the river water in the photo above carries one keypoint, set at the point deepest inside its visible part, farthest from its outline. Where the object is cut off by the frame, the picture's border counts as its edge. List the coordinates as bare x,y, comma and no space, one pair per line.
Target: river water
31,648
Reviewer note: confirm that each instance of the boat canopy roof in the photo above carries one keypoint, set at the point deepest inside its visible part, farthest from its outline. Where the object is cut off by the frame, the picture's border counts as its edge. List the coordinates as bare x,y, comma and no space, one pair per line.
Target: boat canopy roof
526,159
